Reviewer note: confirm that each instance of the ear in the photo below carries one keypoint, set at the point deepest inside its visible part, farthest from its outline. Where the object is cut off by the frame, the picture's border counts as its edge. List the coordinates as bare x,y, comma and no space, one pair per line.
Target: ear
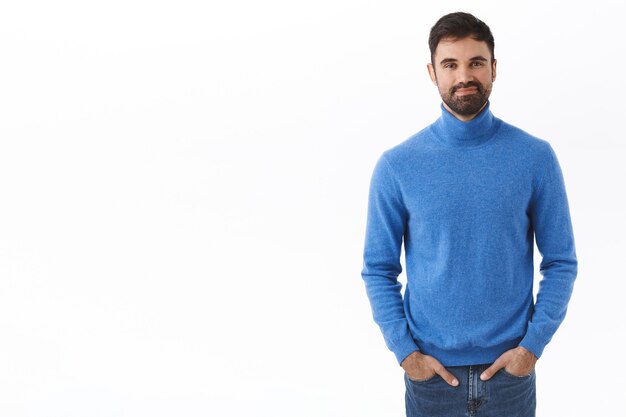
431,73
493,70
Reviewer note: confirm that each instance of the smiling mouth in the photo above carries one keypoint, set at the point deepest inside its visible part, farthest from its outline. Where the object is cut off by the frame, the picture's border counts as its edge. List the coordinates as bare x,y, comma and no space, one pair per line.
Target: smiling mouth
465,91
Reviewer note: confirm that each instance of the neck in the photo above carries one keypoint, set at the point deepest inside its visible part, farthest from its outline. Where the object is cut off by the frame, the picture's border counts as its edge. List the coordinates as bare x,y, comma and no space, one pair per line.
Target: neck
455,132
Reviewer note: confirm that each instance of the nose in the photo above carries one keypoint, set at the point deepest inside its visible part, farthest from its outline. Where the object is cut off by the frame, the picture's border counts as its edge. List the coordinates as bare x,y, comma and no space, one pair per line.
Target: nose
464,75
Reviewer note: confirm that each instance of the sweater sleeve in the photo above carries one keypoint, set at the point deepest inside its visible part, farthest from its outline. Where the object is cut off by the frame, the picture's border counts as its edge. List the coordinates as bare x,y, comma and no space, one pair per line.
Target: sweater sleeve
550,219
386,223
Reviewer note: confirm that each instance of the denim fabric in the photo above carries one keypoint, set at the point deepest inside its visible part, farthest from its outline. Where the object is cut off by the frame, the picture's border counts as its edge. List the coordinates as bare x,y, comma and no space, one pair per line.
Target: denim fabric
504,395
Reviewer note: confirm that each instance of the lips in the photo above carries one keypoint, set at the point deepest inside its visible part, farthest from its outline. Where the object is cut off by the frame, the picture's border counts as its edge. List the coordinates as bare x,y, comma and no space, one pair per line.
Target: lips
465,91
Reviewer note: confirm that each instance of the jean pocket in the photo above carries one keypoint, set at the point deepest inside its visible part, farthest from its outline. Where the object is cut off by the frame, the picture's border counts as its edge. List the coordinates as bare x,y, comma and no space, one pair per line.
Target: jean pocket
419,381
510,375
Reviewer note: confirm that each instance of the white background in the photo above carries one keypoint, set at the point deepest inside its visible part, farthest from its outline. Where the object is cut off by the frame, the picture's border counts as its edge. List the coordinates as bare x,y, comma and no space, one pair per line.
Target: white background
183,195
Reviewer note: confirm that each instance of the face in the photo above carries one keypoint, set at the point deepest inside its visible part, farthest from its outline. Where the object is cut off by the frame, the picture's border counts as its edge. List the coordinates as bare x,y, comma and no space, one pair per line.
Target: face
464,73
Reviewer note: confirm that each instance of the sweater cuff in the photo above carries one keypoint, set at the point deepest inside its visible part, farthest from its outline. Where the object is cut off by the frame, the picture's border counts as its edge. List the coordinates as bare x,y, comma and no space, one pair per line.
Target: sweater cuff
533,343
404,349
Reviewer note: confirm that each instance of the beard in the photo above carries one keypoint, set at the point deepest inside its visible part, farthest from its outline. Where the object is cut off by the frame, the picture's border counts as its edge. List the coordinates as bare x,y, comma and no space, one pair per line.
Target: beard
469,104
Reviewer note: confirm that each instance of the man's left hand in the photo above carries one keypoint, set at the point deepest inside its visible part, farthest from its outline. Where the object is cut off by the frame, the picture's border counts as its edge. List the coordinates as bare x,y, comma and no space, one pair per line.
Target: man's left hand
518,361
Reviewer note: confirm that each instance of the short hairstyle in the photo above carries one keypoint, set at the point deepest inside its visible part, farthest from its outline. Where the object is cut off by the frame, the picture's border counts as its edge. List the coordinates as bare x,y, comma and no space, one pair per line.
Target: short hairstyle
456,26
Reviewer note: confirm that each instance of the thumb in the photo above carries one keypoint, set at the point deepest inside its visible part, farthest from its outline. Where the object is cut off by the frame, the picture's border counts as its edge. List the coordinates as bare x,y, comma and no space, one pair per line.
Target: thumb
491,371
444,373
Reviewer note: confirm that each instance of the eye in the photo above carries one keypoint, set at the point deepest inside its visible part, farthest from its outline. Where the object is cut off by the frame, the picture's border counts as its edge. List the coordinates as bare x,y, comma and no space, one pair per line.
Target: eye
449,65
477,64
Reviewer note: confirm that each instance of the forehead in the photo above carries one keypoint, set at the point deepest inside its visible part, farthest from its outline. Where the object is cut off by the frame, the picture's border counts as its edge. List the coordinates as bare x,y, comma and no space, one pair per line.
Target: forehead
461,49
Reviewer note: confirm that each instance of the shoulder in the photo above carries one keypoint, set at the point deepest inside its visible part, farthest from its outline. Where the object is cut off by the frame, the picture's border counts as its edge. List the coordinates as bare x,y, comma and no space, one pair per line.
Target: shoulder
408,148
526,143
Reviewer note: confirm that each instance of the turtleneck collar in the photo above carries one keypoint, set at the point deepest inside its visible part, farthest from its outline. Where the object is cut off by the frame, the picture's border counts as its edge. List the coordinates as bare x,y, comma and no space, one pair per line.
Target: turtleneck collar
455,133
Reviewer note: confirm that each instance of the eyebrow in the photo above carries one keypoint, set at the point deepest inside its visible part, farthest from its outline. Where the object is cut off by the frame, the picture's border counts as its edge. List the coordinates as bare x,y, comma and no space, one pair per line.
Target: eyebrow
474,58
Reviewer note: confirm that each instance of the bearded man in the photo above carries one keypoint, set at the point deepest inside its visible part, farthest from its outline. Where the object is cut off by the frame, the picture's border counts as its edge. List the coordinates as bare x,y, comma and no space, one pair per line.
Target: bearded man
467,196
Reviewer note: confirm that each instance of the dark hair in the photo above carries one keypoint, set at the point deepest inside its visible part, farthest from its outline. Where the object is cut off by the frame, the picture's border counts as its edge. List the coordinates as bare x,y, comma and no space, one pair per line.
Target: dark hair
459,25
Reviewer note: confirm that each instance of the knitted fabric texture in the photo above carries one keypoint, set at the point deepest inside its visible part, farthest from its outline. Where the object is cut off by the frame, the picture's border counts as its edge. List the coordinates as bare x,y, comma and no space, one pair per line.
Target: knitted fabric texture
467,199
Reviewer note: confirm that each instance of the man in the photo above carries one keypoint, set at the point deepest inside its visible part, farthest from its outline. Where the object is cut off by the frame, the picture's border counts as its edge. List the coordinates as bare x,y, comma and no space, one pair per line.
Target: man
468,194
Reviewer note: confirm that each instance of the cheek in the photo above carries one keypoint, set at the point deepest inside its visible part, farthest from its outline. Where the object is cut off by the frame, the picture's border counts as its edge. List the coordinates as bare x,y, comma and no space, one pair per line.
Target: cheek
487,82
444,83
487,78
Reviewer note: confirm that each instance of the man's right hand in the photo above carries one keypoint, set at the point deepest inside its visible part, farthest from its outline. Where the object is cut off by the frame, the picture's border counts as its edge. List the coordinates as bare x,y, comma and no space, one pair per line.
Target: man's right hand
421,367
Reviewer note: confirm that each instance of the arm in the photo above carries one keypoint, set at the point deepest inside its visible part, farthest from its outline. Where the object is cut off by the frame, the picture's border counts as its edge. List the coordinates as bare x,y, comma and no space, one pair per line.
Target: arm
386,223
550,219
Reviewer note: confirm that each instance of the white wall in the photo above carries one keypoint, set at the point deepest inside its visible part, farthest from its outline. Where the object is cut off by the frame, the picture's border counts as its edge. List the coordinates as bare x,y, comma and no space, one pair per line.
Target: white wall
183,195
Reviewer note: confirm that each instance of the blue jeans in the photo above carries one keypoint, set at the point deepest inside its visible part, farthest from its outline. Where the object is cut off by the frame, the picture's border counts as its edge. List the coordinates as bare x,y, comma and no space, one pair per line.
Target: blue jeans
504,395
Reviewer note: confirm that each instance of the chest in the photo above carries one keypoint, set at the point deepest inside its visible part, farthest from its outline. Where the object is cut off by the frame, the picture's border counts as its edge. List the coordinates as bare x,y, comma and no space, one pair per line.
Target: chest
468,188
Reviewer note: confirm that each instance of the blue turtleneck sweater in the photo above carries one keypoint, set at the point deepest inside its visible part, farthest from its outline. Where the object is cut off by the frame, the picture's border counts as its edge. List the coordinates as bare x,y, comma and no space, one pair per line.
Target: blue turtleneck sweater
468,198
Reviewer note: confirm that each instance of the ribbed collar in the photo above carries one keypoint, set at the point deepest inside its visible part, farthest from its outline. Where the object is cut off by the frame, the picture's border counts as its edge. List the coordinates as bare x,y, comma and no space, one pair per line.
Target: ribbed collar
458,134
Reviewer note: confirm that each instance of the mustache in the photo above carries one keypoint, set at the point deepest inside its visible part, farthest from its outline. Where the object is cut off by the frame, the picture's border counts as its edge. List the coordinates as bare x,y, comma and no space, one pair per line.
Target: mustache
478,86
